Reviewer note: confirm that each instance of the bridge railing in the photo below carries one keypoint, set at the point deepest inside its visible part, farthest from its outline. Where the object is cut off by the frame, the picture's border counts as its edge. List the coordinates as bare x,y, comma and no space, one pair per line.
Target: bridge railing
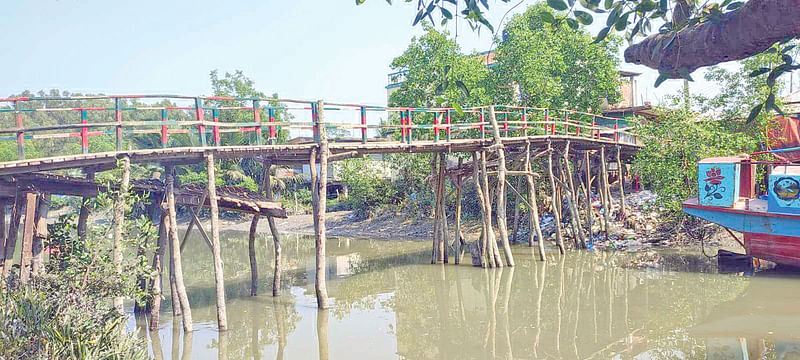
202,121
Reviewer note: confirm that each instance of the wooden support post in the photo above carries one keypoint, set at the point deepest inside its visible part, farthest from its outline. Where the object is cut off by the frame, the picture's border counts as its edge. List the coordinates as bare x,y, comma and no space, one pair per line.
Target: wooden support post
319,209
83,216
119,219
158,255
588,174
573,199
27,237
517,200
457,240
501,186
556,212
436,203
251,240
621,177
257,120
604,189
573,208
479,189
13,234
276,239
534,211
40,235
442,208
493,251
176,251
216,249
3,232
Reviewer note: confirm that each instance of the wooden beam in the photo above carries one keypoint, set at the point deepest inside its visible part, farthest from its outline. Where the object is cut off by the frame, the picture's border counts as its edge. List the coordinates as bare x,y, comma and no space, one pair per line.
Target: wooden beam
219,278
27,237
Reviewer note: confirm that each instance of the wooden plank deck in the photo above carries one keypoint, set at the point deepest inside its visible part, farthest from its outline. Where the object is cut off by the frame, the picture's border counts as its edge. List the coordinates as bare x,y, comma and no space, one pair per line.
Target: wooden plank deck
293,153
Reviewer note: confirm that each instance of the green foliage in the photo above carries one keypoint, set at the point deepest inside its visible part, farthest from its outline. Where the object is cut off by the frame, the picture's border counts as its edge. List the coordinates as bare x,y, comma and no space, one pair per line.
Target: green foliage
367,189
673,147
66,312
554,65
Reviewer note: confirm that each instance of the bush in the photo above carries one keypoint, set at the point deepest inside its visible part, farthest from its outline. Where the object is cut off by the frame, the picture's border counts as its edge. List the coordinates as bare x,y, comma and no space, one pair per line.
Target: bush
366,188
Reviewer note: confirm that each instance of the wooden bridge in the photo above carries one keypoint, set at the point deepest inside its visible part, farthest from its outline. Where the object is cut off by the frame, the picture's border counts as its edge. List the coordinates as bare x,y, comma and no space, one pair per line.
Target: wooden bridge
176,131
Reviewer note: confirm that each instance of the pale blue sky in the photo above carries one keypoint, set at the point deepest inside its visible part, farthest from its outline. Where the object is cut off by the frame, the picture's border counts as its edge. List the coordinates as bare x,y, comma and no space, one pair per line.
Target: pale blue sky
332,49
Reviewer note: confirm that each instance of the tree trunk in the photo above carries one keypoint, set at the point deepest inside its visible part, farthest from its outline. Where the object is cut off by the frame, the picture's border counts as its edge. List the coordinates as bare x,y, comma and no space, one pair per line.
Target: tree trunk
737,35
457,240
276,238
588,163
216,250
604,189
479,190
621,178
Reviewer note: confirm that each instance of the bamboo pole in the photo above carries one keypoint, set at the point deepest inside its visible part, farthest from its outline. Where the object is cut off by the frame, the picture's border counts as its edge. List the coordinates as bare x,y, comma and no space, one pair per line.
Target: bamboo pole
319,213
621,183
517,213
155,309
40,234
27,237
501,186
176,252
534,212
604,190
219,278
573,208
119,218
573,200
479,189
176,304
251,240
13,234
83,216
556,213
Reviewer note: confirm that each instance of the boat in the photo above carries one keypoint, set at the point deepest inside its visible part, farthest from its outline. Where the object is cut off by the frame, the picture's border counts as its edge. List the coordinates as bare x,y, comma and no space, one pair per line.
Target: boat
770,222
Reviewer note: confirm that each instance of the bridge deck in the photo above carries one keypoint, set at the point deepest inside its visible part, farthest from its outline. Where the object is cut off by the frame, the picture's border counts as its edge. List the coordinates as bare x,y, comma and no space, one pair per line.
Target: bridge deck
291,153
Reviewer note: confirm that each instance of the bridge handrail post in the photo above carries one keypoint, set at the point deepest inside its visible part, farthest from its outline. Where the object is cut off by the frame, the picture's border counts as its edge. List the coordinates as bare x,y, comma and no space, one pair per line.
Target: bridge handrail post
20,133
363,112
480,126
435,127
505,123
594,128
447,121
84,132
315,121
566,122
616,133
118,119
164,133
524,122
272,132
215,116
200,117
546,121
409,121
257,119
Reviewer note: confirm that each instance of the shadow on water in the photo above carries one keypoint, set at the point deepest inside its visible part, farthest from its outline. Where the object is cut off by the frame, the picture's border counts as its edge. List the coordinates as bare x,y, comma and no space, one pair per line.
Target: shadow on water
389,302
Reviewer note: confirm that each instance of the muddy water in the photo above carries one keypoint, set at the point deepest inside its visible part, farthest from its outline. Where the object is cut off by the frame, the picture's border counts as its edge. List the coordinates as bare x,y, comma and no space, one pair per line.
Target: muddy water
389,302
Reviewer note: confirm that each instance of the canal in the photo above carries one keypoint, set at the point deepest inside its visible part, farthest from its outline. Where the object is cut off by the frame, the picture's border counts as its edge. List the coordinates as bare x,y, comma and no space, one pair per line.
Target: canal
389,302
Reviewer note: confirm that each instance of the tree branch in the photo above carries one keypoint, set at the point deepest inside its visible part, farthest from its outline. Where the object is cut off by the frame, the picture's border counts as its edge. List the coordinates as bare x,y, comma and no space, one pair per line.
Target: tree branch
739,34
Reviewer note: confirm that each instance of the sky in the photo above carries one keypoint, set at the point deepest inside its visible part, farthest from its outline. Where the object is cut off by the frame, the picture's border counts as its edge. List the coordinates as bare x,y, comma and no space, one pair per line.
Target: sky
324,49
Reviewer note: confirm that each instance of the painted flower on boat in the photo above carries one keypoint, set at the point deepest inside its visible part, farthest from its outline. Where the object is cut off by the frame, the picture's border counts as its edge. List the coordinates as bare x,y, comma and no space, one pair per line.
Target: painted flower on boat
714,175
787,189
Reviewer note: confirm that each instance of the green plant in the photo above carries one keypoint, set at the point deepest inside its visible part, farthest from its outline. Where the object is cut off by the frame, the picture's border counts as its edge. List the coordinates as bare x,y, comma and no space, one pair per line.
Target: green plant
367,189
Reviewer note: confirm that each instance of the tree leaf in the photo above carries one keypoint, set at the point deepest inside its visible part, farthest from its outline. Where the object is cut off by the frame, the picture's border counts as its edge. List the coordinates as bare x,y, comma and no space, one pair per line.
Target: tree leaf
708,188
661,78
788,48
584,17
573,23
734,6
622,22
546,17
786,59
758,72
613,16
463,87
754,112
608,4
446,13
559,5
458,109
359,2
602,34
420,15
717,196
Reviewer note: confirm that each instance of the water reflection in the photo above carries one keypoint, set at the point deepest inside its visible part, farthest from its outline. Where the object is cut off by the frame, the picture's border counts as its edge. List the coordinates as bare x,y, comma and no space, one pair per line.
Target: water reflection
389,302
